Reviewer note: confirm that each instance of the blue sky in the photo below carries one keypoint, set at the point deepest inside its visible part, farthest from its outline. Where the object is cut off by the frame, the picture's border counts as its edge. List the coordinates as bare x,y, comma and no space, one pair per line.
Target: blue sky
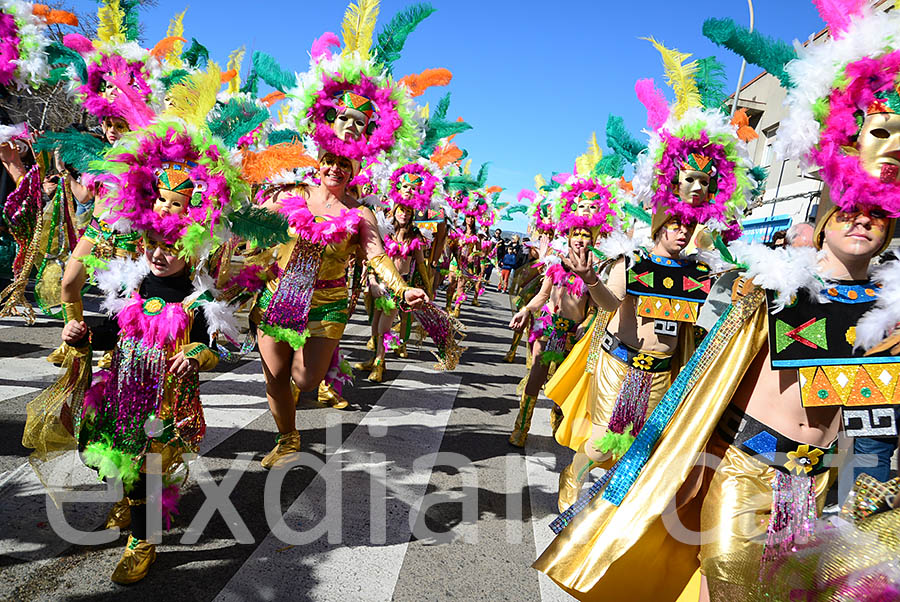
534,79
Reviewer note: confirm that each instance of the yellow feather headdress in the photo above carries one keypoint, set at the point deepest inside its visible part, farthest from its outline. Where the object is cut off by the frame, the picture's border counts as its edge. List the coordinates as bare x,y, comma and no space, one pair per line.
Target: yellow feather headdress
192,99
680,78
586,162
359,26
176,30
111,25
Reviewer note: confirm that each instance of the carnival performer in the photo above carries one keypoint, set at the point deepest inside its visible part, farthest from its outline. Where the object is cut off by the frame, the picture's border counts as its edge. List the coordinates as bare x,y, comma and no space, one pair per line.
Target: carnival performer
465,250
411,189
119,83
795,341
142,415
352,111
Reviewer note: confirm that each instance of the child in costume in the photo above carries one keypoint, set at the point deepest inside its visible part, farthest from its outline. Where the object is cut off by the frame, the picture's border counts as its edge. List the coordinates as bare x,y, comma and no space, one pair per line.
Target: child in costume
798,344
584,206
411,188
165,317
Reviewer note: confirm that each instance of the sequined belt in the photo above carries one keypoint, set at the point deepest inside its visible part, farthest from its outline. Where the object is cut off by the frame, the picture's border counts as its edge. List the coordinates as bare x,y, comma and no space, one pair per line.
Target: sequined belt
634,358
99,231
771,447
336,283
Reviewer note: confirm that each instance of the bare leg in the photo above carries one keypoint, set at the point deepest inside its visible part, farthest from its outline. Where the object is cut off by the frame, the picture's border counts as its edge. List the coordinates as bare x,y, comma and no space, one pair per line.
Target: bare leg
538,374
277,358
704,589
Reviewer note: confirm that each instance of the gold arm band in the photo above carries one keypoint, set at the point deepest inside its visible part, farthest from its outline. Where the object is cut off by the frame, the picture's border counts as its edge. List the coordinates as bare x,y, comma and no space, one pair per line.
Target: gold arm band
387,272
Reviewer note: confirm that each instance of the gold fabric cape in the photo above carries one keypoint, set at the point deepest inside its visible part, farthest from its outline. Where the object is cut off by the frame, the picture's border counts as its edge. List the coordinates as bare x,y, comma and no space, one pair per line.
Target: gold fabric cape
626,552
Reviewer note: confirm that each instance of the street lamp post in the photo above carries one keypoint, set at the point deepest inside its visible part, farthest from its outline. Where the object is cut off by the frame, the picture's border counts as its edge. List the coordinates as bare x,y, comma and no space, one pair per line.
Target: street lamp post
737,92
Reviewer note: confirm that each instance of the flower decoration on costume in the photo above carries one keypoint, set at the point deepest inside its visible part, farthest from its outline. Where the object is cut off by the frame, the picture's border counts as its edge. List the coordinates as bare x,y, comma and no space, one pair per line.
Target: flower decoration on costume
171,160
802,459
23,59
835,87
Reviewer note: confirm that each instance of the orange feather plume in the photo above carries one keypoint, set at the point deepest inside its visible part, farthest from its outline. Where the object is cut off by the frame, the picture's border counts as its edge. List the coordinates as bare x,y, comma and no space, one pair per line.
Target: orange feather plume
227,76
53,16
259,167
272,98
493,189
419,82
625,185
165,46
443,157
741,121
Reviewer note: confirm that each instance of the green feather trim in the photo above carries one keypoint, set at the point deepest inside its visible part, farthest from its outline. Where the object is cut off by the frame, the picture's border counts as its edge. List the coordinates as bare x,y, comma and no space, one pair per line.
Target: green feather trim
57,54
393,36
251,85
265,228
195,237
763,51
132,19
482,176
637,212
57,75
438,129
196,56
112,463
711,80
91,264
620,141
286,335
454,183
615,443
76,148
279,136
760,174
385,304
548,357
268,69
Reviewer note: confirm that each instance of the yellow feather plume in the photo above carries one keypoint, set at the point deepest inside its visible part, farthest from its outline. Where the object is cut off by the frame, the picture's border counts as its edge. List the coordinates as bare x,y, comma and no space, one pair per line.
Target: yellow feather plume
467,168
586,162
283,114
176,30
425,111
111,26
234,62
193,99
539,182
359,26
679,77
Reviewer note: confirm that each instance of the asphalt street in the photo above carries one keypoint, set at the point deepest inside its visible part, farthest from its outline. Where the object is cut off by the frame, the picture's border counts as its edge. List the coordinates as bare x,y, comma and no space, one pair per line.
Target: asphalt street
414,490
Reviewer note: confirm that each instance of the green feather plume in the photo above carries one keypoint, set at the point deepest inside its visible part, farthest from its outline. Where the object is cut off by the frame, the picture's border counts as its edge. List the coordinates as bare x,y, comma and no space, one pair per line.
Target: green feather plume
440,112
57,54
57,75
112,463
265,228
438,129
620,141
763,51
393,36
196,56
759,173
711,80
75,148
637,212
615,443
237,118
482,176
612,165
132,19
176,76
251,85
279,136
455,183
268,69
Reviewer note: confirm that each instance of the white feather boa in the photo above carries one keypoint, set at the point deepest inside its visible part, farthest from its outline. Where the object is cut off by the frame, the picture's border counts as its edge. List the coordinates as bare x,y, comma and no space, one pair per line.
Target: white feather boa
784,271
618,244
884,317
122,277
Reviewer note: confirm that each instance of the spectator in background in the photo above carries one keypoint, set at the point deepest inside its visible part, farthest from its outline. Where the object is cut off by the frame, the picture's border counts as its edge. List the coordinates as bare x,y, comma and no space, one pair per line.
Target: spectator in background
507,265
800,235
779,239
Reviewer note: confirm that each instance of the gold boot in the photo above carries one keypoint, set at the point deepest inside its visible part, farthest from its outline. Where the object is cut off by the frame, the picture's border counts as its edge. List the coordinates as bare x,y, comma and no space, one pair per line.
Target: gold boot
523,420
366,365
370,344
286,448
556,418
569,487
135,562
510,356
328,396
119,515
401,350
377,373
475,302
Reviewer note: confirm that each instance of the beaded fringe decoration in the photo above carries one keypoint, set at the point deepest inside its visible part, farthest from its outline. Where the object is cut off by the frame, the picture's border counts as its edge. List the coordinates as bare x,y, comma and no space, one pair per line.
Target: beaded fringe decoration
631,404
445,331
289,307
793,516
135,392
596,345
